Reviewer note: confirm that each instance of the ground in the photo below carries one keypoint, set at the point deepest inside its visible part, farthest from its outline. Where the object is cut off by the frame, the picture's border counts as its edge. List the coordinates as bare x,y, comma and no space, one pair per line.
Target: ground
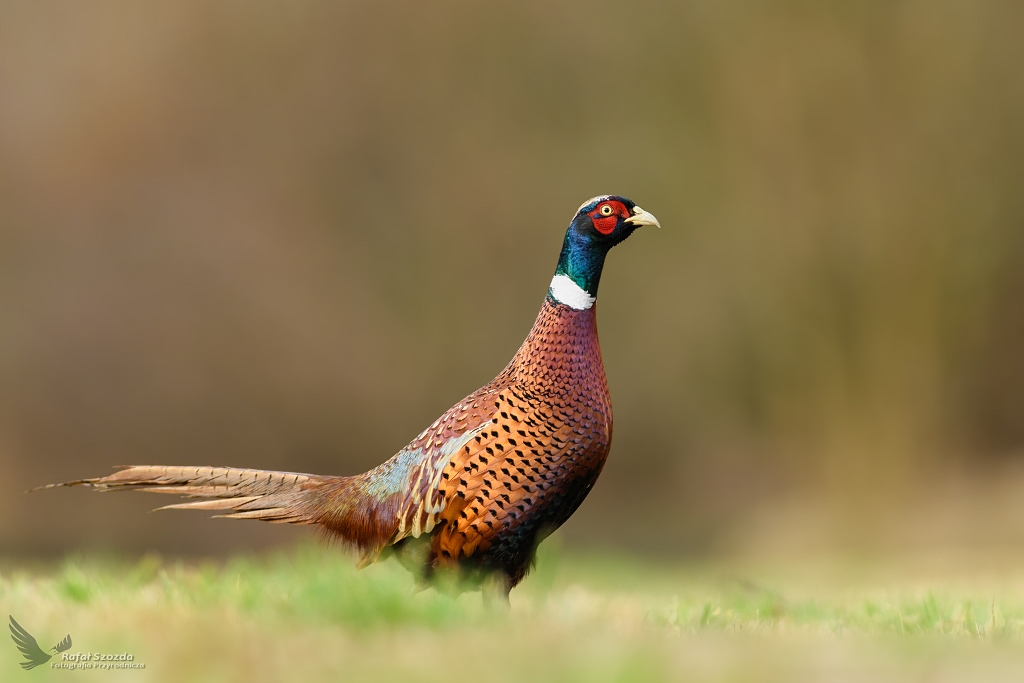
306,614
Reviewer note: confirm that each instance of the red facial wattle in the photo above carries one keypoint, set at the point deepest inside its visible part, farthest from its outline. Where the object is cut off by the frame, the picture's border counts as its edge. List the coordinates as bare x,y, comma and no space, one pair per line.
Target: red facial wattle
605,222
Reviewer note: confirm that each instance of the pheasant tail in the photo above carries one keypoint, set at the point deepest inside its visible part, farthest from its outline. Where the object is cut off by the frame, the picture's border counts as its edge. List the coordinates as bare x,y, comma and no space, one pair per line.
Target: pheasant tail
342,505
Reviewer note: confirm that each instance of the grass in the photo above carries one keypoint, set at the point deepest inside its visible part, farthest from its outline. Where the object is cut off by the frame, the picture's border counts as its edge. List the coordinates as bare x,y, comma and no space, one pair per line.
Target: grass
307,614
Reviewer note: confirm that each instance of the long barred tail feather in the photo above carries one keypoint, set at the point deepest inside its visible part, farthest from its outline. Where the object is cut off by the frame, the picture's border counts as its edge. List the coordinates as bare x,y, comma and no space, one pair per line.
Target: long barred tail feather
282,497
346,508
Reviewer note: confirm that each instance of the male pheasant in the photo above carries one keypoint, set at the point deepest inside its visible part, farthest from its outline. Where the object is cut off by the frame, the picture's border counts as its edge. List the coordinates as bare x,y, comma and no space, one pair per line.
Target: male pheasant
479,488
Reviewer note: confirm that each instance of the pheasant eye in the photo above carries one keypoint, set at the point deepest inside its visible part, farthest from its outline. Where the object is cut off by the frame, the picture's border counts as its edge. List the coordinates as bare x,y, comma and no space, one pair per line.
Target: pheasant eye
607,210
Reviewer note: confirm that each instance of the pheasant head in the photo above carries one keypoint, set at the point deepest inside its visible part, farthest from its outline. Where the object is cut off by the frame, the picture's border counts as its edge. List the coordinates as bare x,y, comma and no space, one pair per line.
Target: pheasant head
599,224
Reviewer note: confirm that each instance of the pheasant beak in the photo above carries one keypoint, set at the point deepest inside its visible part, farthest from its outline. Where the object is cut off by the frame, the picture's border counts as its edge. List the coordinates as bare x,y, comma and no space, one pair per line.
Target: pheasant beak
641,217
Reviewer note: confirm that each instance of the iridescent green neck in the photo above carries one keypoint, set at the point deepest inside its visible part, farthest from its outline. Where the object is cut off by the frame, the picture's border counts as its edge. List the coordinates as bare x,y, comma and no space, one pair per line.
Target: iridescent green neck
582,261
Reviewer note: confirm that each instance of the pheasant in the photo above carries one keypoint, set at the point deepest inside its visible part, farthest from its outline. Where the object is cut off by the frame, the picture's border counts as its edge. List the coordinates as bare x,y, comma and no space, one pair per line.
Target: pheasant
479,488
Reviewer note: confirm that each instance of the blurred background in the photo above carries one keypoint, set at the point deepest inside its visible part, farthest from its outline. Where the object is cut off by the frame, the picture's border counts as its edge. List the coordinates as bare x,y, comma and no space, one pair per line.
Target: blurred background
289,235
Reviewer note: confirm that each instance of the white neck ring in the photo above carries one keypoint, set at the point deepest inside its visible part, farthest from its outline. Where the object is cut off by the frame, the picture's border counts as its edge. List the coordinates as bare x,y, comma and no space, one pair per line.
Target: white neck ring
565,291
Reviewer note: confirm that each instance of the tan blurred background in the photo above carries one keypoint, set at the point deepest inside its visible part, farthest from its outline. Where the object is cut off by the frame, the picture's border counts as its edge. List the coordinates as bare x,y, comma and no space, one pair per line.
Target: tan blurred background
289,235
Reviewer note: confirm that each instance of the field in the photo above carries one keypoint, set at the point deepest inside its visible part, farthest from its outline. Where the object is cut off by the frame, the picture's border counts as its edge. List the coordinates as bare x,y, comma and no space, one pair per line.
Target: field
307,614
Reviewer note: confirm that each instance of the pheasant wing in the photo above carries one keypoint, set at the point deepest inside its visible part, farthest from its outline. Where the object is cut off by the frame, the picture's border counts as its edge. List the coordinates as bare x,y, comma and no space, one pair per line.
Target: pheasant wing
456,433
